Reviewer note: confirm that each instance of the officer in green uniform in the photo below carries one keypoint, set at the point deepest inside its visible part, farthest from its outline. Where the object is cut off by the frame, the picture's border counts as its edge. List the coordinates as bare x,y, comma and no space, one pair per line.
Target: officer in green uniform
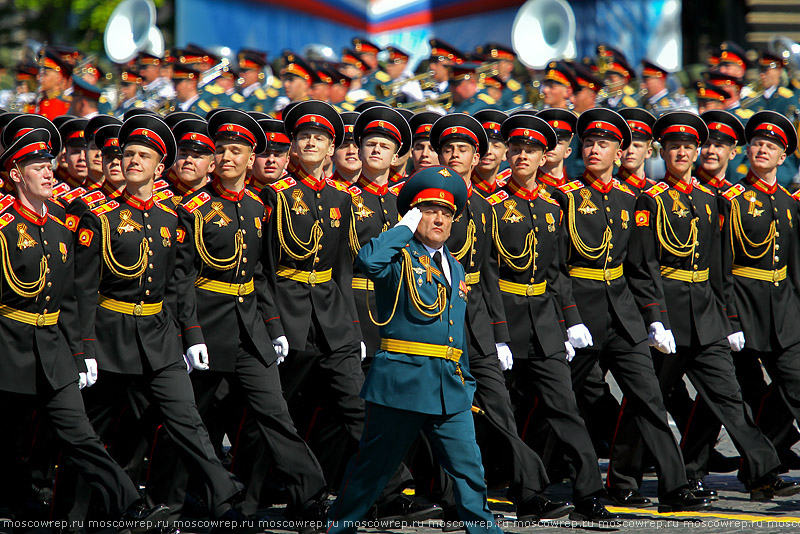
468,97
258,97
514,92
187,96
369,55
617,74
130,95
774,96
658,99
221,93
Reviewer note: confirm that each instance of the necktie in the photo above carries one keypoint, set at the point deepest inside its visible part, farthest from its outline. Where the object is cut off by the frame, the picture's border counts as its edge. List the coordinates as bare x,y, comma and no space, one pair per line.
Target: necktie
437,259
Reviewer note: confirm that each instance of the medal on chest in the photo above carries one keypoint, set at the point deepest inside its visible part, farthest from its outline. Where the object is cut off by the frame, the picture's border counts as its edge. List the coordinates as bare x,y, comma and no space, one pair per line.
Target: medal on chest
754,204
126,223
24,240
587,207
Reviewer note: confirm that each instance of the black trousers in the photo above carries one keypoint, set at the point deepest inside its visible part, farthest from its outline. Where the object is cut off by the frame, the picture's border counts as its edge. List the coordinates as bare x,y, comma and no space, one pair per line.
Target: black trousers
711,371
65,410
170,391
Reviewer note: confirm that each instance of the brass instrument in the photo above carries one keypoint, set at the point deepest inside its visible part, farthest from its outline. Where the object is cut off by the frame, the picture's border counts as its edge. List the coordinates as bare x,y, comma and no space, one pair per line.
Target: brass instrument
425,81
444,100
213,73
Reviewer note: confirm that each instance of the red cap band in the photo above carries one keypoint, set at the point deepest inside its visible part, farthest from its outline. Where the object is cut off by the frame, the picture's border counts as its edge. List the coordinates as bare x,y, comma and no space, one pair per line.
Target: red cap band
423,129
681,129
315,120
435,195
274,137
384,125
199,138
772,131
152,136
21,132
24,151
641,127
606,127
77,134
238,130
494,126
528,134
560,125
723,128
459,130
111,142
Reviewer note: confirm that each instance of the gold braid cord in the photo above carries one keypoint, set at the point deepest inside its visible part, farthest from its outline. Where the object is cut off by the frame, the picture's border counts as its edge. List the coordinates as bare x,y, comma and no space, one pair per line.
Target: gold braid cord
355,246
738,231
590,253
127,272
219,264
23,289
669,241
434,309
460,253
309,248
528,251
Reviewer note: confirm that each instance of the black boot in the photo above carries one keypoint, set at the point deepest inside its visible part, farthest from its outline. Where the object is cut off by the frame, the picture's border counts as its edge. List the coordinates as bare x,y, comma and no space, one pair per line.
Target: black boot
540,507
628,497
700,489
682,500
139,518
773,486
590,509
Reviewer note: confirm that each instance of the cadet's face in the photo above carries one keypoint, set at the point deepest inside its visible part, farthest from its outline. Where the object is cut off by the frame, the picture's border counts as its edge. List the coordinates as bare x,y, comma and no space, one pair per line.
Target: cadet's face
423,155
464,89
34,178
731,70
232,159
269,165
708,105
185,89
141,164
765,154
435,225
460,156
94,160
76,162
338,93
637,152
599,153
377,153
320,91
561,152
614,81
193,167
555,94
525,159
496,155
347,158
654,85
678,156
716,155
112,170
249,77
149,73
296,88
312,146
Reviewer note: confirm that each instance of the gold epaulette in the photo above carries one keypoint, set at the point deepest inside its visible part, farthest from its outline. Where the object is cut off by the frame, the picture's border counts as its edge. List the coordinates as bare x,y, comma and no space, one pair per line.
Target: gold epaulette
497,198
382,77
486,98
214,89
354,190
73,194
56,219
657,189
395,189
165,208
196,202
286,183
160,196
629,101
94,196
5,219
785,92
202,104
337,184
105,208
703,188
744,113
513,85
237,98
574,185
253,196
733,191
622,187
60,189
260,94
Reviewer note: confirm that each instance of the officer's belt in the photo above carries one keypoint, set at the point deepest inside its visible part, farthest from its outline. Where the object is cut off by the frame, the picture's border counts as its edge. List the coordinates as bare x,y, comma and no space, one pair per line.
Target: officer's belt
307,277
472,278
603,275
129,308
225,288
33,319
760,274
363,283
683,275
415,348
525,290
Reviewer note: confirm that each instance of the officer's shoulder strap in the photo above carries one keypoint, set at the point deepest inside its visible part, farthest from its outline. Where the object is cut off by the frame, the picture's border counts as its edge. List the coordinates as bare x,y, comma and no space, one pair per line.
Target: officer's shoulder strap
744,113
733,191
6,202
497,198
198,200
630,101
165,208
337,185
73,194
657,189
205,106
253,196
105,208
486,98
382,76
354,190
260,94
237,98
513,84
574,185
622,187
214,89
785,92
395,189
285,183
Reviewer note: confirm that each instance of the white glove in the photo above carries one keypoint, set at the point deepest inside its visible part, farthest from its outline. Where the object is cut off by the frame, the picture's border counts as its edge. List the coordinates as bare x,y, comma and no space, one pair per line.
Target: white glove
504,355
736,341
579,336
364,345
661,339
91,371
82,380
188,363
198,355
570,350
281,346
411,219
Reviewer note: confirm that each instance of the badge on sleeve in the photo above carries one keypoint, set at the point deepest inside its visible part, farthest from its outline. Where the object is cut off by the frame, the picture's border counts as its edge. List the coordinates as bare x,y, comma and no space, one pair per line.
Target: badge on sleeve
85,237
180,234
642,218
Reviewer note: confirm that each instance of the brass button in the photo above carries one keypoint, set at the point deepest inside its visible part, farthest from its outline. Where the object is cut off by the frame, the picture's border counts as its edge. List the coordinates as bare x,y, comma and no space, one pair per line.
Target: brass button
47,298
777,246
137,310
244,260
529,290
605,197
146,214
49,284
147,292
777,258
775,276
607,274
150,252
48,270
238,204
243,273
695,277
44,242
241,217
608,209
450,339
244,246
451,321
149,278
319,208
382,199
149,227
319,195
312,278
450,351
244,231
40,320
150,239
610,221
242,289
48,255
241,299
696,254
690,197
384,211
534,216
150,266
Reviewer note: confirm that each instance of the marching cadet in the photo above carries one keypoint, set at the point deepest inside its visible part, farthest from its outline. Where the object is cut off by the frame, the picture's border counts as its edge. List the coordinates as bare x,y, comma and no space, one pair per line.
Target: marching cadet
485,177
725,133
552,173
710,97
346,158
729,59
130,92
417,383
251,69
321,83
194,159
400,165
585,95
45,364
422,154
617,75
85,98
494,87
187,96
677,245
558,85
442,56
513,91
76,172
340,91
54,76
658,99
733,86
598,213
222,91
468,97
124,272
369,55
632,165
270,165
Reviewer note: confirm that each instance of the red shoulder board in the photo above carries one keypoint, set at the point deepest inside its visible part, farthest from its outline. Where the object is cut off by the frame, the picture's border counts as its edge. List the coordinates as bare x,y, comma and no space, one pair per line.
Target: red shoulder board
733,192
72,195
504,175
622,187
5,219
703,188
395,189
784,189
158,185
164,208
796,195
574,185
497,198
105,208
253,196
548,198
72,222
337,184
657,189
196,202
94,196
60,189
354,190
55,201
56,219
164,194
280,185
5,202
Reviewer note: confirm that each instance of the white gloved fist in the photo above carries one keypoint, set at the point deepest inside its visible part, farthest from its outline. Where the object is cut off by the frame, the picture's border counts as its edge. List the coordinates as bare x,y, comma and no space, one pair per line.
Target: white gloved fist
188,363
660,338
281,346
579,336
411,219
198,355
504,355
82,380
364,346
570,350
91,371
736,341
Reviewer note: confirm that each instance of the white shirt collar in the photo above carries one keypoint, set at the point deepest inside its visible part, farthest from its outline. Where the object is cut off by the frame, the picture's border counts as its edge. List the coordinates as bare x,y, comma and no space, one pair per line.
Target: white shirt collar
186,105
769,92
445,263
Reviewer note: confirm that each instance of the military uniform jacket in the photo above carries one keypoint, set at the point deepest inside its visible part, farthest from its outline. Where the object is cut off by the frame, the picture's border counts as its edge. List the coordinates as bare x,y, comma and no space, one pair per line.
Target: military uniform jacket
52,107
407,381
125,251
527,240
760,231
471,243
87,201
717,185
374,211
677,235
220,235
38,263
637,184
513,95
308,233
472,105
598,219
548,183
